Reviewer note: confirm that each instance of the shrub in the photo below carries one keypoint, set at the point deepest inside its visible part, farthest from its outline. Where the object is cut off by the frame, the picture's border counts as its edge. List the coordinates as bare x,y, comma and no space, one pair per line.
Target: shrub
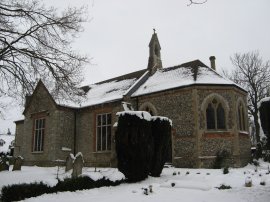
223,186
24,191
134,146
161,133
220,159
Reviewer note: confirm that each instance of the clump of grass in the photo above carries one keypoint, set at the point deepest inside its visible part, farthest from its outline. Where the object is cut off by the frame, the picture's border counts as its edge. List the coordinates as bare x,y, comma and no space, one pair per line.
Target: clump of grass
223,186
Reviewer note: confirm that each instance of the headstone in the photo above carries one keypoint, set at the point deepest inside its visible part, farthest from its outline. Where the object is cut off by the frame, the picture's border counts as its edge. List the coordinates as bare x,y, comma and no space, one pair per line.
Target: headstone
69,162
77,165
18,163
3,164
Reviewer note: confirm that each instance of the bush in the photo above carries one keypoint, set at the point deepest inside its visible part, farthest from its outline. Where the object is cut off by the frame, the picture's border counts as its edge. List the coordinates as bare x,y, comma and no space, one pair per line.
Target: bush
24,191
134,146
220,159
161,133
223,186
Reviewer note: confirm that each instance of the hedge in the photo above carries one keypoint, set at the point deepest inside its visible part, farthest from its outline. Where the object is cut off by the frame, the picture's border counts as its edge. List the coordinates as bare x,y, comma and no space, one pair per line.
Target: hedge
24,191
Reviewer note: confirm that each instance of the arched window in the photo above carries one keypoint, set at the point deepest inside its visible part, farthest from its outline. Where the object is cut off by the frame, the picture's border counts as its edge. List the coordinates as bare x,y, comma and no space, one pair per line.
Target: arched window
220,117
241,117
215,116
210,117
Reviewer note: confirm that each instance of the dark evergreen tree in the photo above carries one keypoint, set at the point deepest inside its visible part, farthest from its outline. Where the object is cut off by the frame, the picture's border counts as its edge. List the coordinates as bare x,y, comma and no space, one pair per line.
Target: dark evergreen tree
161,132
265,122
134,146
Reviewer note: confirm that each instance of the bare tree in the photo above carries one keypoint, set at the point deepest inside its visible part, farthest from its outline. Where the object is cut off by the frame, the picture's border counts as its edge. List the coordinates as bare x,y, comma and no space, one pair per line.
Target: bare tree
196,2
35,43
253,74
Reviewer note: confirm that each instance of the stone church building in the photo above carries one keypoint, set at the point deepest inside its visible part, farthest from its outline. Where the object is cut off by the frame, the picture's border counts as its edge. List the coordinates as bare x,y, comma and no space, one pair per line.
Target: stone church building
208,112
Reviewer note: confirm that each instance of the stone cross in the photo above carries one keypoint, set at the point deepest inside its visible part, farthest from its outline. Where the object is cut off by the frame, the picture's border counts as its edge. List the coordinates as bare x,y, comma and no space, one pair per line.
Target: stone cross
77,165
18,163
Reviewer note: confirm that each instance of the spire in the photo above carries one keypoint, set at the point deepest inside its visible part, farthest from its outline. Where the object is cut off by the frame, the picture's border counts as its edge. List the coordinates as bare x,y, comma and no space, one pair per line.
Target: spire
154,61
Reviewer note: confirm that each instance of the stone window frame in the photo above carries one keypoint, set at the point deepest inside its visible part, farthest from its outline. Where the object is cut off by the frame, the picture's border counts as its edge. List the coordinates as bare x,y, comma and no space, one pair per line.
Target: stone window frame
101,125
220,100
242,117
149,107
39,125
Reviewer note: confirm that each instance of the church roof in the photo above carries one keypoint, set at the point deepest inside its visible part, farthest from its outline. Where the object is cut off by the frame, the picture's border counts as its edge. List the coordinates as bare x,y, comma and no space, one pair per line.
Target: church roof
106,91
141,83
191,73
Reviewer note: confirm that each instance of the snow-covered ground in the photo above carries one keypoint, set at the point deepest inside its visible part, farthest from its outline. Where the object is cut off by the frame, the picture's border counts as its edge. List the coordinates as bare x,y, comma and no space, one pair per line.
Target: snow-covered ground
173,185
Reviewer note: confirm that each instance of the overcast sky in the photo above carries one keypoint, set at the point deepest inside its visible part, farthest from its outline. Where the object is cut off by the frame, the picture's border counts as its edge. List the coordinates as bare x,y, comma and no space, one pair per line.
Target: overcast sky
118,34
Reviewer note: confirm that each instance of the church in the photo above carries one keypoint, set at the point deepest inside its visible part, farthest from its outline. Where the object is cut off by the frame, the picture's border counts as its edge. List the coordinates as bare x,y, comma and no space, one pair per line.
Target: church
208,113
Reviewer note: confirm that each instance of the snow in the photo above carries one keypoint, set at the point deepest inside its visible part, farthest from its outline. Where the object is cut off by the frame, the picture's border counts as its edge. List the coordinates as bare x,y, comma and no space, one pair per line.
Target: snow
170,78
65,149
102,92
266,99
141,114
199,185
7,142
185,184
162,118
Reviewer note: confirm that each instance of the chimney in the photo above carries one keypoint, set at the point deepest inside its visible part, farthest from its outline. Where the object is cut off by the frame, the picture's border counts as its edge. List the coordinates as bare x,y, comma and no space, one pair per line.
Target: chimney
213,62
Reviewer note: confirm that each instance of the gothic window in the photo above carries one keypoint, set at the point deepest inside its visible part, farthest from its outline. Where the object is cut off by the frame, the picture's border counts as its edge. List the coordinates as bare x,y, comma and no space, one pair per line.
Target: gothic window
103,132
220,117
215,116
210,117
241,117
38,136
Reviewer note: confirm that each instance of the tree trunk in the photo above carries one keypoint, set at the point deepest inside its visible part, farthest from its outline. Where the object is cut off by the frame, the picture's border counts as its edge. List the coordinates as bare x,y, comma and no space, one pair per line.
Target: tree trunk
257,127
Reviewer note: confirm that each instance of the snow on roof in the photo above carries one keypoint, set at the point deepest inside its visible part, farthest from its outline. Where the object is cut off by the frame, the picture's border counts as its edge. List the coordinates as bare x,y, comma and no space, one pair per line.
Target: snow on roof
106,91
180,76
194,72
7,139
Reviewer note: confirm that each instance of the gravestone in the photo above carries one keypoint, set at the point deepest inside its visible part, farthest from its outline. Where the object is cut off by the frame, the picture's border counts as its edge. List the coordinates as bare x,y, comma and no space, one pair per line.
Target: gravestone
3,164
77,165
69,162
18,163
